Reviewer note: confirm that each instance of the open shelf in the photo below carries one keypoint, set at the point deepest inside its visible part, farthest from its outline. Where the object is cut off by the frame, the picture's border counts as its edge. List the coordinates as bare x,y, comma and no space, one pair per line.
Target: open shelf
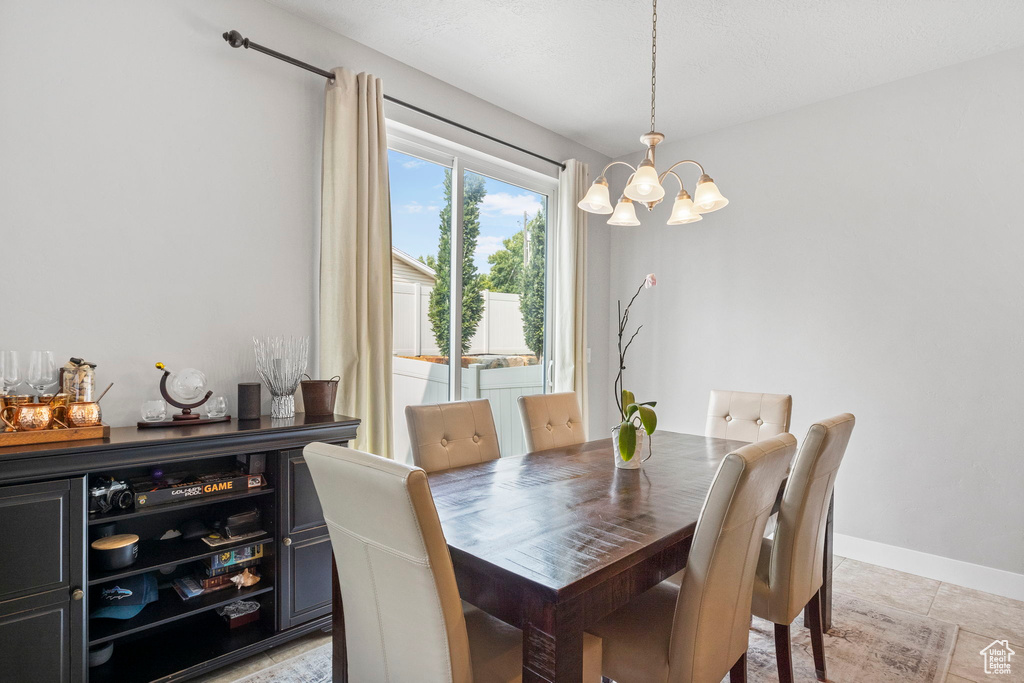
158,554
170,607
191,503
193,643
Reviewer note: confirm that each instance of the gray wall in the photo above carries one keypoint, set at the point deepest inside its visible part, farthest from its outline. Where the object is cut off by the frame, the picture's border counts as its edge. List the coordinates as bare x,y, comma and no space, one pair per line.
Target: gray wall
870,261
160,191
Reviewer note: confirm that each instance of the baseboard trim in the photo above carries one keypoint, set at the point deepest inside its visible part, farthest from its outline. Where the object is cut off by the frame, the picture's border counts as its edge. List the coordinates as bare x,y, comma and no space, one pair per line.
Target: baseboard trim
997,581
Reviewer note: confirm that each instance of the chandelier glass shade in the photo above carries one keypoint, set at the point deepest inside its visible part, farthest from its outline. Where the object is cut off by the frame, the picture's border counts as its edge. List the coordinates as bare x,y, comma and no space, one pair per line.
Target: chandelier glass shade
624,214
597,200
645,185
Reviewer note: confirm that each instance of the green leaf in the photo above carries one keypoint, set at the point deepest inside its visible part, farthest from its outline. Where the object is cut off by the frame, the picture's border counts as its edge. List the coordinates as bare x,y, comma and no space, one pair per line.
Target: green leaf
649,403
630,409
627,398
627,440
649,419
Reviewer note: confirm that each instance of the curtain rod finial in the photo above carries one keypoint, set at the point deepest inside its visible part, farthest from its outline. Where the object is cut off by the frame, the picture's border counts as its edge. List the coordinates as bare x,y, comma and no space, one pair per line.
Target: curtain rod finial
235,39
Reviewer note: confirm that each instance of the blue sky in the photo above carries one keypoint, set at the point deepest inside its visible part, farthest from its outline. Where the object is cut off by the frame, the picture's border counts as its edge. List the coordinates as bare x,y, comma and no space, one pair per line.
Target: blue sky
417,193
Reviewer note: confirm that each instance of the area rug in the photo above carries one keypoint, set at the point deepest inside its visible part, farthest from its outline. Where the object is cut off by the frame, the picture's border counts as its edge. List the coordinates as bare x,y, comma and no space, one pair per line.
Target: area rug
309,667
868,643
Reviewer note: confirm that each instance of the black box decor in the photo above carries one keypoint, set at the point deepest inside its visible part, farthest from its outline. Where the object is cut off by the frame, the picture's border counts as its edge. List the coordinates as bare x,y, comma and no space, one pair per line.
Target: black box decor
249,400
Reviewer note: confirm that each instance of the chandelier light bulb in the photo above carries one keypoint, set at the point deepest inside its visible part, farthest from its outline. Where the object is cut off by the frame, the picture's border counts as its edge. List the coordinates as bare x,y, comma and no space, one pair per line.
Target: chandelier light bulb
683,210
624,214
645,186
597,200
707,198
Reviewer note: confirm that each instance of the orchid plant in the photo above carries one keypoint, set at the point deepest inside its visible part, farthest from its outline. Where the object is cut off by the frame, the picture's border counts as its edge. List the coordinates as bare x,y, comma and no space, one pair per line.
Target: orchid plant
633,415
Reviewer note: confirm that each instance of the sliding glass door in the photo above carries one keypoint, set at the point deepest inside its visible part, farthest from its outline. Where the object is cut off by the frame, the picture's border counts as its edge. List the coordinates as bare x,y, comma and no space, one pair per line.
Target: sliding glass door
494,255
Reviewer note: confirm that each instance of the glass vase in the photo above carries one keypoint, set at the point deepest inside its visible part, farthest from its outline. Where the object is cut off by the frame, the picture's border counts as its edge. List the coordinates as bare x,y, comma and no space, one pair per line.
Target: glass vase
637,461
280,362
282,406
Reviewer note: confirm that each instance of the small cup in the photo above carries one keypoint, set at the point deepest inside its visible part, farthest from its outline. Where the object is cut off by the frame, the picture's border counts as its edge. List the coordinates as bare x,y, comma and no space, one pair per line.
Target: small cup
27,417
154,411
217,407
82,414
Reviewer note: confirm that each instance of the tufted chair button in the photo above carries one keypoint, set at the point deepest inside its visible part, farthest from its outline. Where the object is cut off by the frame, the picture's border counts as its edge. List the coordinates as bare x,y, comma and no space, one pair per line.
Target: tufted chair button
760,421
728,418
444,442
549,426
476,438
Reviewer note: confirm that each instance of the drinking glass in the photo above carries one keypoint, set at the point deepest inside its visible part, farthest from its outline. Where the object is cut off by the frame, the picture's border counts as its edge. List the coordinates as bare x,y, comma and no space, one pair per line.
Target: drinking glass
154,411
217,407
42,371
10,372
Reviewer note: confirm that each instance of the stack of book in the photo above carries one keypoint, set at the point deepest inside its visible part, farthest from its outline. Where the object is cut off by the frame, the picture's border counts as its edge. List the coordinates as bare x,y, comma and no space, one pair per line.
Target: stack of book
218,571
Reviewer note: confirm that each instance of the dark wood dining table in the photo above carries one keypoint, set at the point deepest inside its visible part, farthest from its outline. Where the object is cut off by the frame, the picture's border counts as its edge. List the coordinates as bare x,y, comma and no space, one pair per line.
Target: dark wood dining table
553,541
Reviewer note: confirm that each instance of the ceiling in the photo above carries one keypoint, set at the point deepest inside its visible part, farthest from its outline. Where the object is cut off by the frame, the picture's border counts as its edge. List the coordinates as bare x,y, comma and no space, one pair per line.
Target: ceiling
582,68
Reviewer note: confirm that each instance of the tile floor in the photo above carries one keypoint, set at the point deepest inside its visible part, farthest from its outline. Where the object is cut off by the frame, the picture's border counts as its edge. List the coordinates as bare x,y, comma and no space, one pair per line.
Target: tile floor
982,618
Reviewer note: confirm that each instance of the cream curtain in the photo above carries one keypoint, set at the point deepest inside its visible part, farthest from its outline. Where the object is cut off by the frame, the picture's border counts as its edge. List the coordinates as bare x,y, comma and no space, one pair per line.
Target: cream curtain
355,256
569,286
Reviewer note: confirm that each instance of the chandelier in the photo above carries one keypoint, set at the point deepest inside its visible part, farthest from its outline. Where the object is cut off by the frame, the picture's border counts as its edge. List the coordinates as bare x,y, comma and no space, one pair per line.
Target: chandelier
645,184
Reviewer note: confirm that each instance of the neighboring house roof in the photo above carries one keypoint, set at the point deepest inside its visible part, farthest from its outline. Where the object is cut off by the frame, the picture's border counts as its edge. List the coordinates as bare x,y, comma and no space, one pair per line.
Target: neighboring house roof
415,264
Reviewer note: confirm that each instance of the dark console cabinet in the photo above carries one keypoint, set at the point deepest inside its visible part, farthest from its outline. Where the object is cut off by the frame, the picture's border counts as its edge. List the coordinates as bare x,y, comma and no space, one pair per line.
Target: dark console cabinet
47,579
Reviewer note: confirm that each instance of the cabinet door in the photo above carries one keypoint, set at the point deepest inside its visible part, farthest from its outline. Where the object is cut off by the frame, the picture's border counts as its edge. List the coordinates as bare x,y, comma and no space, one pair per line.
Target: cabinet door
42,572
304,551
305,591
301,506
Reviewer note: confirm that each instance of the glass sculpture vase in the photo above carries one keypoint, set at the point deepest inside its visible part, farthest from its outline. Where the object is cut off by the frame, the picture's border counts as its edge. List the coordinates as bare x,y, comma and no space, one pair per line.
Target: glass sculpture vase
280,362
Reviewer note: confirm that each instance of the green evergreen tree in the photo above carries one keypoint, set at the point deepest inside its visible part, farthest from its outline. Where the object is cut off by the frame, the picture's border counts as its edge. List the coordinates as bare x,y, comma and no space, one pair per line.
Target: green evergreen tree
430,261
472,299
507,266
531,301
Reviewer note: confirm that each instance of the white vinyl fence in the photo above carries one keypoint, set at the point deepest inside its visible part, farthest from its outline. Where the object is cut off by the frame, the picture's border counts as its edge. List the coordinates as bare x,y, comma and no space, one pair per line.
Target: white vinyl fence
500,330
417,382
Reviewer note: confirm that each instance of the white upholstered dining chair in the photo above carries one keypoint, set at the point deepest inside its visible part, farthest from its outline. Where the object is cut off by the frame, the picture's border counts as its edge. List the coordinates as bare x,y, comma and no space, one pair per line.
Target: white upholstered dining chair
404,620
551,421
697,632
445,435
747,416
789,573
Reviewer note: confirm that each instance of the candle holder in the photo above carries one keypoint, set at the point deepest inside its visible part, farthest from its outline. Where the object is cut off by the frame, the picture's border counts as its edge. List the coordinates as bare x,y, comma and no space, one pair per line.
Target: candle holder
280,362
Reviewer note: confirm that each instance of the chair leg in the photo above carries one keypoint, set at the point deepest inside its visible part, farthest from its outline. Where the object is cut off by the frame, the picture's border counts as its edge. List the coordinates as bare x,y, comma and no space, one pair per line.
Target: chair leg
817,638
738,672
783,655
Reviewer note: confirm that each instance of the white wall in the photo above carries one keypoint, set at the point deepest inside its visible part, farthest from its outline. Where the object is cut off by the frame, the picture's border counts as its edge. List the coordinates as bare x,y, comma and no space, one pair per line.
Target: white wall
162,189
870,261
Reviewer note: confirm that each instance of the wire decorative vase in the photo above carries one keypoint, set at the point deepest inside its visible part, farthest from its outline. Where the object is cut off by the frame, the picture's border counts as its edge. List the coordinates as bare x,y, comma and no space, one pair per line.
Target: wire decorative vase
280,361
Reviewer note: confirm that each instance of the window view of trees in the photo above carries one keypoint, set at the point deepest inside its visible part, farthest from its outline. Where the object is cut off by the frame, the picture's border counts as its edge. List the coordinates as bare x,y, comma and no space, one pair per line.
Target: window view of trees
472,281
503,264
519,267
531,300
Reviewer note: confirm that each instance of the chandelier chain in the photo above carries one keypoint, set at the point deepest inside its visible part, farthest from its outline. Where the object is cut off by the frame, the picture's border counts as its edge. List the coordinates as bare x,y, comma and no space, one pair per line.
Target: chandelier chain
654,58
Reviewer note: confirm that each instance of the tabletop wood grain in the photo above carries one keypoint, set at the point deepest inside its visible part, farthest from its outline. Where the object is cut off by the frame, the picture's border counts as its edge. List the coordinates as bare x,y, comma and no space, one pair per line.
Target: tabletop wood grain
562,519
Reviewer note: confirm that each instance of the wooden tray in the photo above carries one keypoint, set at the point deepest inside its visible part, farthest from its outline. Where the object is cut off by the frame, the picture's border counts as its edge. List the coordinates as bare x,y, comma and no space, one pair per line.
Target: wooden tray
51,435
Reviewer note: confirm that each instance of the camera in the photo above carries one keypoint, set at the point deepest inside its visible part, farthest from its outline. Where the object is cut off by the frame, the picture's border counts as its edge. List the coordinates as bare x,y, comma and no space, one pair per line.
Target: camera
108,494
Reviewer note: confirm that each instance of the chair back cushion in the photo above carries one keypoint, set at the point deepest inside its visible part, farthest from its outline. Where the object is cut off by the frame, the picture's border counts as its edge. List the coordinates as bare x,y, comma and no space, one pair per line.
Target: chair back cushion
795,570
746,416
447,435
551,421
712,616
403,615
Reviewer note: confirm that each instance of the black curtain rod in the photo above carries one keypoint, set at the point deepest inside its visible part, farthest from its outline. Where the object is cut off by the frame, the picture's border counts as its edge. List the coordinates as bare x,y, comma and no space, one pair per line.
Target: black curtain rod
235,39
